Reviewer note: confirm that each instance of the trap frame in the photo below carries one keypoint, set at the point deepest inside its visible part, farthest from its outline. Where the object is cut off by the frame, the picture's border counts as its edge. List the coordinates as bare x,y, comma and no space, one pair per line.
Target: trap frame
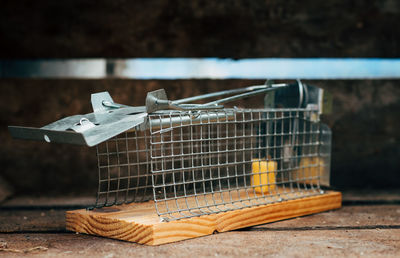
210,156
196,160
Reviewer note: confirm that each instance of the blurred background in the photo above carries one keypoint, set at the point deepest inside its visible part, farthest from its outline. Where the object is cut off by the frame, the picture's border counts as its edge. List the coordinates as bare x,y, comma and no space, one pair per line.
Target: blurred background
365,118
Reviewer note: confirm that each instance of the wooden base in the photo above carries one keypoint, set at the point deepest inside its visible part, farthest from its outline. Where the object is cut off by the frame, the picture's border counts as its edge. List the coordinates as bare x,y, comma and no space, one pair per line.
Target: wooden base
138,222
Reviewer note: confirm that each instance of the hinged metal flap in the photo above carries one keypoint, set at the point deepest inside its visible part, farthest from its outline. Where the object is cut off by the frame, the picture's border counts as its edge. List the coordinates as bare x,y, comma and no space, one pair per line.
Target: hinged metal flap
108,120
61,132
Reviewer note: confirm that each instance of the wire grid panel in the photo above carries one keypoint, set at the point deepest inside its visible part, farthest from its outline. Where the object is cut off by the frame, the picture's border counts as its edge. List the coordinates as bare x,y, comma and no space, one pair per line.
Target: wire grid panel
124,169
213,161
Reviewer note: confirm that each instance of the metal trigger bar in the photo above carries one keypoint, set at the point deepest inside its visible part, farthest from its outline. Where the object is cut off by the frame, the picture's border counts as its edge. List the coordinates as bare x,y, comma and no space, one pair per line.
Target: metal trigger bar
157,100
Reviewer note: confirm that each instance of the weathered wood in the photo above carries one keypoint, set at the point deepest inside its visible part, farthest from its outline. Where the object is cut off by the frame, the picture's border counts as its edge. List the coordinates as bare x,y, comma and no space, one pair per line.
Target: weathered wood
12,221
283,243
115,29
353,130
5,190
140,223
359,216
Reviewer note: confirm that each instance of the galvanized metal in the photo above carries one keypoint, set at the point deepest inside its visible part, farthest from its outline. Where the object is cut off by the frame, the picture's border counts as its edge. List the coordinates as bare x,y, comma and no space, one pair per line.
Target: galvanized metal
212,161
223,158
110,119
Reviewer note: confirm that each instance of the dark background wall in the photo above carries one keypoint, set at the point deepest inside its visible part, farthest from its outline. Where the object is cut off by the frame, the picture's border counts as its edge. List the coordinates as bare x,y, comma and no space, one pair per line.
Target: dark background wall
365,120
228,28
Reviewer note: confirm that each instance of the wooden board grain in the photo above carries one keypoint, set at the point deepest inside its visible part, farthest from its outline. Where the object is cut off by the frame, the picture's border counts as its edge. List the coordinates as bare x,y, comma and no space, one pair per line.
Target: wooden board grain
138,222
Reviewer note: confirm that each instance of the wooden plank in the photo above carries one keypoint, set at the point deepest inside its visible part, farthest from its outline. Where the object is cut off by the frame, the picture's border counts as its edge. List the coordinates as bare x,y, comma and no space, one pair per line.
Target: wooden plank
139,222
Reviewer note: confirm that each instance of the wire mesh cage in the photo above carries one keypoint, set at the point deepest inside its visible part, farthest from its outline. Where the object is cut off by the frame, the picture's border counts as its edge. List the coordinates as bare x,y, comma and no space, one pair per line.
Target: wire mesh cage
200,159
204,162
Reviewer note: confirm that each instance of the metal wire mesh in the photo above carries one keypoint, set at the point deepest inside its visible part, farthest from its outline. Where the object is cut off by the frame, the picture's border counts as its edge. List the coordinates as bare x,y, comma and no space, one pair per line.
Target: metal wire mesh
212,161
124,169
197,163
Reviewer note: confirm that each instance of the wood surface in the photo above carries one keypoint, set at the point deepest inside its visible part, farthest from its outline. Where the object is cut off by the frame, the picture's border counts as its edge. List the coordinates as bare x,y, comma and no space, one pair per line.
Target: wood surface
367,225
138,222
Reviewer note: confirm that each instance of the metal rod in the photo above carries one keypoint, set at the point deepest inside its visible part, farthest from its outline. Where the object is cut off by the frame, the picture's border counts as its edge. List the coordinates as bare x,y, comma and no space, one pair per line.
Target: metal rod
227,92
245,95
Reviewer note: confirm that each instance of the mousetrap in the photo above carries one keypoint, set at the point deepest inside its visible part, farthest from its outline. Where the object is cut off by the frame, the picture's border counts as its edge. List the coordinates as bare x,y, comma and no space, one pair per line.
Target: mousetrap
174,170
